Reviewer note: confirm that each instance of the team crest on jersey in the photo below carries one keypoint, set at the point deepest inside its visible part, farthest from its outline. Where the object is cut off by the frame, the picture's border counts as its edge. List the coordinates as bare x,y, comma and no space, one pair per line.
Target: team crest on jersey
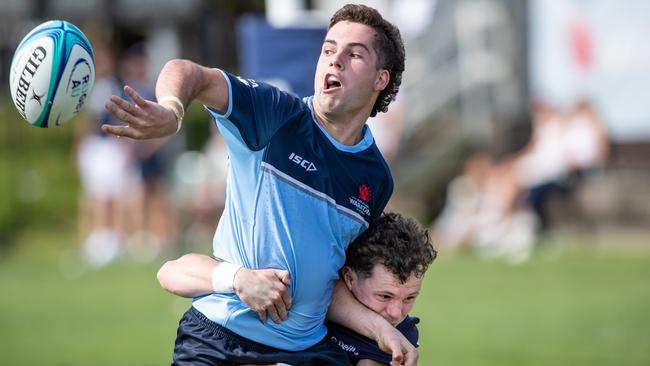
364,193
361,200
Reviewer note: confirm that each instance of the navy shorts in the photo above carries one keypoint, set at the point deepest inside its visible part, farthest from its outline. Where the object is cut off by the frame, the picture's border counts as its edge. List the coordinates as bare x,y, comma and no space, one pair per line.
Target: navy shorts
202,342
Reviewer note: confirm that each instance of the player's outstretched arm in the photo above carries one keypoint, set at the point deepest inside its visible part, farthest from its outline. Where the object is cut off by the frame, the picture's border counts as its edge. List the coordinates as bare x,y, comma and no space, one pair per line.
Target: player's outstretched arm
179,83
348,311
264,290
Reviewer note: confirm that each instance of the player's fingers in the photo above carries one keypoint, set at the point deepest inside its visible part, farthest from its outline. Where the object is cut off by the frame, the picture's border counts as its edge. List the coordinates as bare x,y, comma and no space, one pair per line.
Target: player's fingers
397,356
284,276
285,279
121,131
128,107
281,308
273,313
135,96
286,298
262,315
411,357
120,113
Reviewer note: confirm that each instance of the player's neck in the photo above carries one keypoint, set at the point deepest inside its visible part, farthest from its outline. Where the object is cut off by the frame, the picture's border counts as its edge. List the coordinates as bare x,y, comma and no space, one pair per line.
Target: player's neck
348,129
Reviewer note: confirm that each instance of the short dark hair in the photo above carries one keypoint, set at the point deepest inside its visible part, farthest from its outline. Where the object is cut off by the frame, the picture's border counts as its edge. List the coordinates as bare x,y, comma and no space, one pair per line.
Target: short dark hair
397,242
388,45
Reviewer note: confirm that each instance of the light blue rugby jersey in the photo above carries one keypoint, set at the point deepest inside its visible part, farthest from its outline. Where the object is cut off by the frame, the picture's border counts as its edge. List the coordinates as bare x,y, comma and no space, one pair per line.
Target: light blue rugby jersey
295,199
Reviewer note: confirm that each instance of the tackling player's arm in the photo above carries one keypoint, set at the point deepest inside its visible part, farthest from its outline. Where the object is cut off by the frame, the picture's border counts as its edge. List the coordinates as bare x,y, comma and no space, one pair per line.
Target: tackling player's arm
349,312
265,291
179,83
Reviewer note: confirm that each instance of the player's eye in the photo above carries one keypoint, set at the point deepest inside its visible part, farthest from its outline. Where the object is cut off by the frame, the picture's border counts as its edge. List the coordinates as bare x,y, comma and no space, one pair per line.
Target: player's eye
355,55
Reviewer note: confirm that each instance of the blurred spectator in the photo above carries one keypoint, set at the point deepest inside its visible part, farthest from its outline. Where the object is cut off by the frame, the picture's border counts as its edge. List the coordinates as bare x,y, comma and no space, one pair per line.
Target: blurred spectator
586,140
561,148
387,129
106,168
482,211
154,219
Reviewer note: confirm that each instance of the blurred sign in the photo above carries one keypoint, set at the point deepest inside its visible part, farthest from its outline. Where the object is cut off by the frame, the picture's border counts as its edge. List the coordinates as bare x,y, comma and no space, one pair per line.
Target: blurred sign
597,50
284,57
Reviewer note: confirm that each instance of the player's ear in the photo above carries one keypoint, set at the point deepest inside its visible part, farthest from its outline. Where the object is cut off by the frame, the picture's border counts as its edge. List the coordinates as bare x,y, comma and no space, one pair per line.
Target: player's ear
382,80
348,277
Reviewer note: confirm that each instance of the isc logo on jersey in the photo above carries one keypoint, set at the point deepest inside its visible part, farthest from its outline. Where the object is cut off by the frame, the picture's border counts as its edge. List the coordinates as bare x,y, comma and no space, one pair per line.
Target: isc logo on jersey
52,73
305,164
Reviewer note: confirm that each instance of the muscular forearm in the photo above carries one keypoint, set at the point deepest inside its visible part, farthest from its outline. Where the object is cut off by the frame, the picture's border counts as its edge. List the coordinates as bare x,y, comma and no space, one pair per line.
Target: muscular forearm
188,276
349,312
189,81
264,290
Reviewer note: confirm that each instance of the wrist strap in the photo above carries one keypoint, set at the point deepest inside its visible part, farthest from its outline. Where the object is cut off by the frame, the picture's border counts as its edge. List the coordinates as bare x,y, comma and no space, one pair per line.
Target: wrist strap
176,107
223,277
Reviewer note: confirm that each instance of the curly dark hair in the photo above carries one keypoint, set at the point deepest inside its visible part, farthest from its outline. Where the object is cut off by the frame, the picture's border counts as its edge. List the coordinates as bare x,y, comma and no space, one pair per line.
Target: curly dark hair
395,241
388,45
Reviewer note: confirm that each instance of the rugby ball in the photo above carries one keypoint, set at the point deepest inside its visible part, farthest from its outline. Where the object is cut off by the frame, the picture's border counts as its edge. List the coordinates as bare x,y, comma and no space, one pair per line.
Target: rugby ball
52,73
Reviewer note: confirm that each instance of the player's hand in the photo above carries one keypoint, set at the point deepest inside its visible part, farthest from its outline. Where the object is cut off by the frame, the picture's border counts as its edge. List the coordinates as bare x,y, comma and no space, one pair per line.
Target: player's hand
265,291
144,119
393,342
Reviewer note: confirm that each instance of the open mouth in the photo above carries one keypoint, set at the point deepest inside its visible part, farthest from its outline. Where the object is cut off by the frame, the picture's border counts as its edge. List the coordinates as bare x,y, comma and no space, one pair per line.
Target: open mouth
331,82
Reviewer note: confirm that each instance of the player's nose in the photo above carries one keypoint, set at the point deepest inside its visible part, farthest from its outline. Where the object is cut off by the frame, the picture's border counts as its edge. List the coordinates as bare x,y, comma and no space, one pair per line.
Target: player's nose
335,61
394,311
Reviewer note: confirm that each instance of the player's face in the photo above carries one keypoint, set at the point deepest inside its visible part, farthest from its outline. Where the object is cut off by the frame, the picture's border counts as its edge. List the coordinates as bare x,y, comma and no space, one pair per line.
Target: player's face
384,293
347,78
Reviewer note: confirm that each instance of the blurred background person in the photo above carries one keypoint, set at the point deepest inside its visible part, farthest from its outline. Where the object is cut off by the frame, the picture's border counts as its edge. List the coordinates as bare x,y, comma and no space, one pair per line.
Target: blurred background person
586,138
387,129
562,148
484,211
155,223
542,166
106,168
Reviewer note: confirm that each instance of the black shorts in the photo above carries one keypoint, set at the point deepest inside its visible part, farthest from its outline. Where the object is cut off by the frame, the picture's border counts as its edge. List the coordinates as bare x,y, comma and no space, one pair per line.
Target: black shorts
202,342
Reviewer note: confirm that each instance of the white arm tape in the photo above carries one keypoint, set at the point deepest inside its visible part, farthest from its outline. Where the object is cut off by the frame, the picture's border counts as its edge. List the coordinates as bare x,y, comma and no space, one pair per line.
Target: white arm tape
223,277
178,112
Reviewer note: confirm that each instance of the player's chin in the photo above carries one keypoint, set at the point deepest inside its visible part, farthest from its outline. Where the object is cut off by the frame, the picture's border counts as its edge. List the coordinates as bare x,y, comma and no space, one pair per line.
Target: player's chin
326,102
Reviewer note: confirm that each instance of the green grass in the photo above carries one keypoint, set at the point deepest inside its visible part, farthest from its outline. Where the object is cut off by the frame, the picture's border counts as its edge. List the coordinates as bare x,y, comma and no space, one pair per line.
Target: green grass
586,305
53,314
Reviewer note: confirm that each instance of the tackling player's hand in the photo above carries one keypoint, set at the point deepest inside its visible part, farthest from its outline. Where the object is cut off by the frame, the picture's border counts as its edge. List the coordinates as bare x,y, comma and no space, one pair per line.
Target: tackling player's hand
265,291
144,119
393,342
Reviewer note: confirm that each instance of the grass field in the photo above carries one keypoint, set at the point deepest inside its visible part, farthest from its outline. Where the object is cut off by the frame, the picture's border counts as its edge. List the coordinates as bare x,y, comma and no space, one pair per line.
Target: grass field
585,304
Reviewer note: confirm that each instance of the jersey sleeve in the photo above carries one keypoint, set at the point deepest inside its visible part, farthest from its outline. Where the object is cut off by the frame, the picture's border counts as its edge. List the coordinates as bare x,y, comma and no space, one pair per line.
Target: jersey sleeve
257,110
408,327
357,346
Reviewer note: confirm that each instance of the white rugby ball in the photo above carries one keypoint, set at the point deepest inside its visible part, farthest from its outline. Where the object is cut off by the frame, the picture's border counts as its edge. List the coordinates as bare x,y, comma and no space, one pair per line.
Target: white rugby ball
52,73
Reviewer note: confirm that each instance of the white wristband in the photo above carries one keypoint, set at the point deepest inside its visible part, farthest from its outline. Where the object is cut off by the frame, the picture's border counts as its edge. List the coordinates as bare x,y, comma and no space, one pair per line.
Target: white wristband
223,277
179,111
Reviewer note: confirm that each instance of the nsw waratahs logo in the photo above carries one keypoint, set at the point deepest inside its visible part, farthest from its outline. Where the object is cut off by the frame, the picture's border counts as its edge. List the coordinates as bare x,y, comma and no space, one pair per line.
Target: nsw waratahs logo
364,193
361,200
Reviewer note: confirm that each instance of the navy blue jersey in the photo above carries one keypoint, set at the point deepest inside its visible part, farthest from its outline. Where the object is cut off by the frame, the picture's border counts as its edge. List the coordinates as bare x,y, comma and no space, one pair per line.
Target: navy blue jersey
359,347
295,199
